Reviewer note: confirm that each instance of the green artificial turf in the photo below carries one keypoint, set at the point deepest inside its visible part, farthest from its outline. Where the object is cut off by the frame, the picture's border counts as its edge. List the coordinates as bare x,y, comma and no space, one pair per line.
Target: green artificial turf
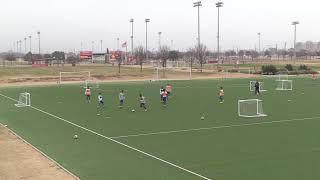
227,147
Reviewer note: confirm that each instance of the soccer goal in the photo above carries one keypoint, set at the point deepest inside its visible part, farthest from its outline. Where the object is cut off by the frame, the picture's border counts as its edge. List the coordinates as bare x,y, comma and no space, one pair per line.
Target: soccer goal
167,73
250,108
91,83
261,86
282,76
81,76
24,100
284,85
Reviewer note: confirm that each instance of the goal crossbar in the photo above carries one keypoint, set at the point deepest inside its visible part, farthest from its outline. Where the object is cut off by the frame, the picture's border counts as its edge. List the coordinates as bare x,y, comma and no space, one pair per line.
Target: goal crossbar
75,74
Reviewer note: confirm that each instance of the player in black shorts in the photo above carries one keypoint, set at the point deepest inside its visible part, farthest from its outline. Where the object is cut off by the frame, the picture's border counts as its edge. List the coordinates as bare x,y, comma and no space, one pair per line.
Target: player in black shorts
257,88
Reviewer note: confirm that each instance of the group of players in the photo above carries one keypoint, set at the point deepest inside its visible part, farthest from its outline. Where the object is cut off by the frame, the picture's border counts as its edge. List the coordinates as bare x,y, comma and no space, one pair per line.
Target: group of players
164,93
164,96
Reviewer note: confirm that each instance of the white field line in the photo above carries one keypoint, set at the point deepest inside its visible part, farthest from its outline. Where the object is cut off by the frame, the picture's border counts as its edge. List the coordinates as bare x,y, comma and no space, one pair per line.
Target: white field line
213,127
115,141
42,153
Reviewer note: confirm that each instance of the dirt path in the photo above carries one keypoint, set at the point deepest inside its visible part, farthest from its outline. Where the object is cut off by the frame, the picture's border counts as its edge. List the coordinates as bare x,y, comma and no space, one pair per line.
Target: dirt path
19,160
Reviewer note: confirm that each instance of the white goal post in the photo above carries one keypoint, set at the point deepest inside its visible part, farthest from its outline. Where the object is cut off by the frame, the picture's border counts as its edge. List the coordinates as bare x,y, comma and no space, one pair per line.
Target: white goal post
161,73
74,76
24,100
91,83
284,85
250,108
261,86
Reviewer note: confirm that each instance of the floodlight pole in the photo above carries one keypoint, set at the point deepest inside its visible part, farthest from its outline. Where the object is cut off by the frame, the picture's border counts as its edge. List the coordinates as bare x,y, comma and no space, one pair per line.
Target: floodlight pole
118,48
30,37
198,4
259,37
101,46
159,33
218,5
295,23
147,21
131,21
39,42
25,45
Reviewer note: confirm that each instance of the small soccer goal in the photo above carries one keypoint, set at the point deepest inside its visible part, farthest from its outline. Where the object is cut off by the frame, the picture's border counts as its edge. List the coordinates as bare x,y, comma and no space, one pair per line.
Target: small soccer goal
91,83
282,76
261,86
284,85
24,100
76,76
250,108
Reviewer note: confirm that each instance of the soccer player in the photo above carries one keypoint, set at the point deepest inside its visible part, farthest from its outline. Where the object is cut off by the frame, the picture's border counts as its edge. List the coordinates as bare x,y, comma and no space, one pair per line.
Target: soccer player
142,101
88,94
100,100
168,89
161,91
100,103
257,88
164,98
122,97
221,95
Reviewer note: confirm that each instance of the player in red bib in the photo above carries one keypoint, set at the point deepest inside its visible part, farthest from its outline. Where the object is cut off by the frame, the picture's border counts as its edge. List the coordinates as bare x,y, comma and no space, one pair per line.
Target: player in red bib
88,94
164,98
168,89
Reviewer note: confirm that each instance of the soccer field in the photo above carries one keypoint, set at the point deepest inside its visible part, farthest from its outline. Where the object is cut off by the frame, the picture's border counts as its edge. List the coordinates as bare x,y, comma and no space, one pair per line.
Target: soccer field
173,142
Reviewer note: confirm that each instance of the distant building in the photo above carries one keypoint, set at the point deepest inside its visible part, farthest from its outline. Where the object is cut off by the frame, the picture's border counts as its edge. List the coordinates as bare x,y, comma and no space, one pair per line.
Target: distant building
309,45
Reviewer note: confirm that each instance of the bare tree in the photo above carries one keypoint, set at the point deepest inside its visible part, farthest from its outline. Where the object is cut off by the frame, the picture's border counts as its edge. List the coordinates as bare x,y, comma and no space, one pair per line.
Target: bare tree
164,55
139,52
201,54
191,55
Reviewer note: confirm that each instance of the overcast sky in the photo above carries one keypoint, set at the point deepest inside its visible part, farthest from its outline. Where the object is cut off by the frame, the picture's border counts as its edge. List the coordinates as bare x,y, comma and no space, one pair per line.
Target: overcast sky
64,24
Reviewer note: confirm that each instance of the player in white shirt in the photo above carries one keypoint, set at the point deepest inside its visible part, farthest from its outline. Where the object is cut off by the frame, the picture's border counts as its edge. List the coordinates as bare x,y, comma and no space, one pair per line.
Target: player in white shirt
143,102
122,97
100,103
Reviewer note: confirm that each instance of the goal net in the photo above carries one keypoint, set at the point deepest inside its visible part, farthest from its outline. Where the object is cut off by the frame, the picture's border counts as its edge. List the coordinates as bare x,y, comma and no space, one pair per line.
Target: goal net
91,83
24,100
250,108
77,76
261,86
284,85
167,73
282,76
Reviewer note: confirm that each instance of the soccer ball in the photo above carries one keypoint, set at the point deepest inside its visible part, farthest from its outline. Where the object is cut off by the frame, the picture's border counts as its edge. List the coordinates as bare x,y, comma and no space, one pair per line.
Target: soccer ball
75,137
133,110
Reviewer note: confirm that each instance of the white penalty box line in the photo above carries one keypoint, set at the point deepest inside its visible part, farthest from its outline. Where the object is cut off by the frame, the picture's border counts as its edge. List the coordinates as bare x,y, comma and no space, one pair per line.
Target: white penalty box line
115,141
214,127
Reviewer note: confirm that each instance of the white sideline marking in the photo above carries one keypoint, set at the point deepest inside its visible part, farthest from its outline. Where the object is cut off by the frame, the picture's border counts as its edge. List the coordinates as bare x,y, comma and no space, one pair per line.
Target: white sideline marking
213,127
115,141
42,153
